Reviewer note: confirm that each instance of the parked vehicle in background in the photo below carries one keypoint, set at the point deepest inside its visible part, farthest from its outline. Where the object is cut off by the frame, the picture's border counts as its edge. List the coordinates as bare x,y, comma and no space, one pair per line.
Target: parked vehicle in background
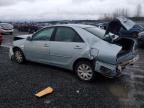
29,27
6,28
124,28
141,39
1,38
81,48
133,32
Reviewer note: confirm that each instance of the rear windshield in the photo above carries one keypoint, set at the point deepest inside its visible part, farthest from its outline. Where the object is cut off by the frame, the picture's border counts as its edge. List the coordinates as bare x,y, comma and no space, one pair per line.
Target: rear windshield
96,31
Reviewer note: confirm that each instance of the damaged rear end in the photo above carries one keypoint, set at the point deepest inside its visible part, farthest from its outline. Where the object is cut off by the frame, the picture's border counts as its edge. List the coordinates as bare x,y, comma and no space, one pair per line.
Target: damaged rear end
113,59
127,55
114,52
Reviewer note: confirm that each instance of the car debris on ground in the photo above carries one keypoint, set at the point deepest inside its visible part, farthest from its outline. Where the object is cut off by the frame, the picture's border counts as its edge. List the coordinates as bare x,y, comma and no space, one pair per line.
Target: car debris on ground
44,92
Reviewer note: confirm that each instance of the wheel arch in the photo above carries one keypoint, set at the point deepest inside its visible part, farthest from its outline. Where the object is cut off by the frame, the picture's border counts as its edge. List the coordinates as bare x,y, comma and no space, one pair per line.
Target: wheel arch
15,48
18,48
83,59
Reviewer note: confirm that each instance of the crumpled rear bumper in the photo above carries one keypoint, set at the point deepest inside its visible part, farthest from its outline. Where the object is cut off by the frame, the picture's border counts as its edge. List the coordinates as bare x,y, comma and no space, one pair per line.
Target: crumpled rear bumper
110,70
132,61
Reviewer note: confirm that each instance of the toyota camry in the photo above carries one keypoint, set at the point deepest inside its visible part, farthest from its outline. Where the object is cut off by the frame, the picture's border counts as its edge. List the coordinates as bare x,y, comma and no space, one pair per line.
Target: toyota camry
84,49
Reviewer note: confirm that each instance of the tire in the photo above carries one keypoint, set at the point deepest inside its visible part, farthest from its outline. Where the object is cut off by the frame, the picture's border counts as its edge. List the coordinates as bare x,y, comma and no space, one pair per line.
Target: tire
85,71
19,56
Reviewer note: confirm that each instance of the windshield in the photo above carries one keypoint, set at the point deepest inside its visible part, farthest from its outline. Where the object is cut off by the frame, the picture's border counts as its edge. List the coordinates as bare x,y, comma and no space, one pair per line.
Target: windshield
96,31
101,34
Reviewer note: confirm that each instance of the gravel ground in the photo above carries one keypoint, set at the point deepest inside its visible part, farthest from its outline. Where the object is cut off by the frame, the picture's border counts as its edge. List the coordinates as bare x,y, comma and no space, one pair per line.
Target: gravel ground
19,83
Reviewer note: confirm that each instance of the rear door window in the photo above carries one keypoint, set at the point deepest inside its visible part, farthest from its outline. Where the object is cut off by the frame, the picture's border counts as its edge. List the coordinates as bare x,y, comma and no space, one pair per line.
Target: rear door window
66,34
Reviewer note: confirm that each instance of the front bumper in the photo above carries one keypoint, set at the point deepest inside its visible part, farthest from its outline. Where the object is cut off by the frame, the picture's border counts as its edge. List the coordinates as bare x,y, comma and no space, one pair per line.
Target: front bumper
110,70
6,31
11,54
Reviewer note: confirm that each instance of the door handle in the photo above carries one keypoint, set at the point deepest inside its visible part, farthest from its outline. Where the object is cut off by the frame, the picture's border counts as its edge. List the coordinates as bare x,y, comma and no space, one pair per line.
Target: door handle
46,45
77,47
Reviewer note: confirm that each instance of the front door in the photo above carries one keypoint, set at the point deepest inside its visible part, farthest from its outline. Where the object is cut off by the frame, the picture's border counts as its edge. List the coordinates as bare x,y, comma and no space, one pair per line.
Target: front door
38,48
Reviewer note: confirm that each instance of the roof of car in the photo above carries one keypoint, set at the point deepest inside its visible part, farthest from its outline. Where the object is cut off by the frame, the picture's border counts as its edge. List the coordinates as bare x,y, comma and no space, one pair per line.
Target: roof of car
5,23
75,25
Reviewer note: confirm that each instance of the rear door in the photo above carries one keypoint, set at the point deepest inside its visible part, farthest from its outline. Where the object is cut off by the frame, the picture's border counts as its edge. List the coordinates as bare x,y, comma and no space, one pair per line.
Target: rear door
66,46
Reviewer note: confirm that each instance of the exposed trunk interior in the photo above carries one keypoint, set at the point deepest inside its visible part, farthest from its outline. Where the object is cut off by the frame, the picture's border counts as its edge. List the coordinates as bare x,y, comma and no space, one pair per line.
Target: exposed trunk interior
127,46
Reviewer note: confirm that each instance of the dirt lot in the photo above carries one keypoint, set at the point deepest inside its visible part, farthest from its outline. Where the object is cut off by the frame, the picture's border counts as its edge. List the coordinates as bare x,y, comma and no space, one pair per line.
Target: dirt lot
19,83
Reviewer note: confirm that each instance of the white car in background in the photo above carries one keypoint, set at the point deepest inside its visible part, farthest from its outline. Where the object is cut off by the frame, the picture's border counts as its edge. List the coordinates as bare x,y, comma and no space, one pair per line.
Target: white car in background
6,28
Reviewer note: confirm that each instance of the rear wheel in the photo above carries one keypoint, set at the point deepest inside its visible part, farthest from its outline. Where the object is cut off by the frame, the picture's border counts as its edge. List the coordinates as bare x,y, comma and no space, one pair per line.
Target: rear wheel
85,71
19,56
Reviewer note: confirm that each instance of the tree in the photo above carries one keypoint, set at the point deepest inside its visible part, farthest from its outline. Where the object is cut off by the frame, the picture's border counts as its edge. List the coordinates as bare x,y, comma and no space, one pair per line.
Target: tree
120,12
138,10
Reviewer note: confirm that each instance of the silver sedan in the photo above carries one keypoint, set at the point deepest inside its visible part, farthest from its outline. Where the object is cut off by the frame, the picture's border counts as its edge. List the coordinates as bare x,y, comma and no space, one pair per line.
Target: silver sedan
84,49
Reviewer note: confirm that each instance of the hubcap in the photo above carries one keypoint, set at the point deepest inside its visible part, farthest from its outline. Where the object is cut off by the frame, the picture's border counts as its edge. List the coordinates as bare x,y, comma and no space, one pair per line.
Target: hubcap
85,72
18,56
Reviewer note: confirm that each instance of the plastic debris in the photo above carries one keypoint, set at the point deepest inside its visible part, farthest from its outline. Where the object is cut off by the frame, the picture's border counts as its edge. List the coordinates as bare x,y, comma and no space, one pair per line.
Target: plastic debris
44,92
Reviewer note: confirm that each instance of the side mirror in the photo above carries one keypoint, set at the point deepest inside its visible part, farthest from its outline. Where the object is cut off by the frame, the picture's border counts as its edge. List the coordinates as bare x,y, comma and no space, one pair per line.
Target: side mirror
29,38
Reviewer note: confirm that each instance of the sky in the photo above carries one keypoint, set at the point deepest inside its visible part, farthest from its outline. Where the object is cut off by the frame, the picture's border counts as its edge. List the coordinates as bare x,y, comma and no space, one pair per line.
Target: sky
64,9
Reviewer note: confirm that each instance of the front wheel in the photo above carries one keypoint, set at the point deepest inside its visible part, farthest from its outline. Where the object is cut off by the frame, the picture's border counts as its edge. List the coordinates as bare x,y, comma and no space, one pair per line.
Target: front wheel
19,56
85,71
